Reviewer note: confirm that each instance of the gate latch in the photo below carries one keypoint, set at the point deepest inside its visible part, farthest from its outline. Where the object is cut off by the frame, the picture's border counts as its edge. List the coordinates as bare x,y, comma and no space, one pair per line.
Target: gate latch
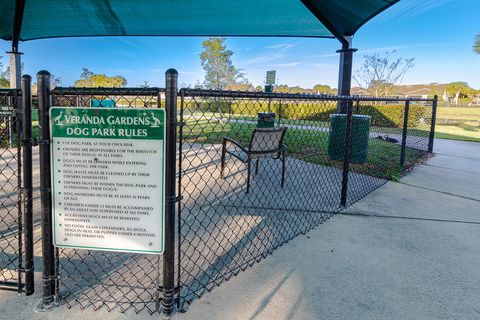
32,142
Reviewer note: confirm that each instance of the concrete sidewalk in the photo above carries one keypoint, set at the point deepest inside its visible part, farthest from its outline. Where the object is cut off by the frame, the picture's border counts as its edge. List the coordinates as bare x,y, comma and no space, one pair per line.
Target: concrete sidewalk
410,250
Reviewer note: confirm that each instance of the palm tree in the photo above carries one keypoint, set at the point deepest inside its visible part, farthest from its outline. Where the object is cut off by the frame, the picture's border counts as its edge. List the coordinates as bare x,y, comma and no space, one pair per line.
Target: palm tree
476,45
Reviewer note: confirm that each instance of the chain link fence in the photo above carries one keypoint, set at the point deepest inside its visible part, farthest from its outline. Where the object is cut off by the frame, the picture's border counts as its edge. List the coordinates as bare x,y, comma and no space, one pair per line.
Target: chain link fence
11,224
397,140
101,279
237,209
254,171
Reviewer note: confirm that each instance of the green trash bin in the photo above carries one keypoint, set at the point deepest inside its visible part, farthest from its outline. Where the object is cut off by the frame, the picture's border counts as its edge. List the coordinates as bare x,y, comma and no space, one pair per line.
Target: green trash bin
266,120
359,137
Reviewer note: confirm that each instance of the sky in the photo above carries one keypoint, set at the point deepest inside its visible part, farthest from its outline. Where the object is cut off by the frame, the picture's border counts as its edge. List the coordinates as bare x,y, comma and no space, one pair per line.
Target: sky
439,34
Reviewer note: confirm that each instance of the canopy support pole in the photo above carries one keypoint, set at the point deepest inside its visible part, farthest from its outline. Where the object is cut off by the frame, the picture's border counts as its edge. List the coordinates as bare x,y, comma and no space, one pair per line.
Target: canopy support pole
15,60
15,66
17,23
346,54
345,72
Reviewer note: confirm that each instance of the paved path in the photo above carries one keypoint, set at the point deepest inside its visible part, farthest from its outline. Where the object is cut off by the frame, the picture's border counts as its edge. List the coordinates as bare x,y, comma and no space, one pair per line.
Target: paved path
409,250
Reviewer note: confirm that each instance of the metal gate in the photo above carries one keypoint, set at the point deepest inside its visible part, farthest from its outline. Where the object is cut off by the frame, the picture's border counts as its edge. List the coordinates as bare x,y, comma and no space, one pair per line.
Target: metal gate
16,246
11,225
101,279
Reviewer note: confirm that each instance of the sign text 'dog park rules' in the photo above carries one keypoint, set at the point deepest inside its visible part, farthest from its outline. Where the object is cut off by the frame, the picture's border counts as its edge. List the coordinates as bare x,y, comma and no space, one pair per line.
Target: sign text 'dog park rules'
108,178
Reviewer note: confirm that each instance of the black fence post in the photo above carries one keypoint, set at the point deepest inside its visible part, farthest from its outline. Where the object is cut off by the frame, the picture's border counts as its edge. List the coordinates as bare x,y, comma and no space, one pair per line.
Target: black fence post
180,307
279,111
432,127
27,196
48,251
168,301
14,126
404,133
346,159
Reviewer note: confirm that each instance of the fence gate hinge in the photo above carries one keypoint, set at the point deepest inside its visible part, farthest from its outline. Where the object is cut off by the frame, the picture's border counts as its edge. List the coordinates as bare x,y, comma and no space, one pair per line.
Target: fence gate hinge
171,200
25,270
32,142
25,191
43,141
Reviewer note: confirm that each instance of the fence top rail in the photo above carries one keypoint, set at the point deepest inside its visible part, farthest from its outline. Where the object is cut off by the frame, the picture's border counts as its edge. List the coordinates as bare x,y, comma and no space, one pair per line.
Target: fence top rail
187,92
129,91
9,91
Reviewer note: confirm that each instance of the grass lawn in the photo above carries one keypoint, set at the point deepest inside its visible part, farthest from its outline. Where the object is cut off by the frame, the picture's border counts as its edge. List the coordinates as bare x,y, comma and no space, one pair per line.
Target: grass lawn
455,123
458,123
459,132
464,112
306,144
421,130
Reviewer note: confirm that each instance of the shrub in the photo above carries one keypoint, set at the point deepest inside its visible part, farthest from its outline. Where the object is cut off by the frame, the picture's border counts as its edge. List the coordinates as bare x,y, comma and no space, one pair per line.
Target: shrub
212,105
392,115
287,110
382,115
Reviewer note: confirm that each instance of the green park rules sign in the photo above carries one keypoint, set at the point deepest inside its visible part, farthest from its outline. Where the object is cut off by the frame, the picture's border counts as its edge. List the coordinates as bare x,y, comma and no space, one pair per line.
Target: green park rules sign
108,178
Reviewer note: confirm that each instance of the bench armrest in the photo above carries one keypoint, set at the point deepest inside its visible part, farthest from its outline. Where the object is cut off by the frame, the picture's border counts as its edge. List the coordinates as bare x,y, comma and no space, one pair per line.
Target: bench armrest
236,143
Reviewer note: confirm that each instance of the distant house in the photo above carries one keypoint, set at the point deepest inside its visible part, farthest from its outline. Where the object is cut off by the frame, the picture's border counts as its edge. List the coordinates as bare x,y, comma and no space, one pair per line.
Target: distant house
421,93
475,101
356,91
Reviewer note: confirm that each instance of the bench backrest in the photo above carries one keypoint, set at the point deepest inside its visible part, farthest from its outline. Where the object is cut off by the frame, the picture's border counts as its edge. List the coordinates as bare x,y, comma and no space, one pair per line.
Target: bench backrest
267,139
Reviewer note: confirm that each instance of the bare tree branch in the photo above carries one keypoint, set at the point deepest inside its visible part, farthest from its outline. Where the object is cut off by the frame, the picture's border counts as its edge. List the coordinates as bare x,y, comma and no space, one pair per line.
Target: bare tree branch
379,74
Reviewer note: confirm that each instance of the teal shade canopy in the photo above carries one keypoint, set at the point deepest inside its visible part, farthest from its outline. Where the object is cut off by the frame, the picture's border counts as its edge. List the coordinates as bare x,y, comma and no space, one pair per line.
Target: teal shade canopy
34,19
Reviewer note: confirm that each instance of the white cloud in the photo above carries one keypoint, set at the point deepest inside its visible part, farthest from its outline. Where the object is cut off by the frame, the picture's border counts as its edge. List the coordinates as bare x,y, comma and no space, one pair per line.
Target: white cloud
281,46
322,65
326,55
381,49
124,53
275,52
265,58
402,47
287,65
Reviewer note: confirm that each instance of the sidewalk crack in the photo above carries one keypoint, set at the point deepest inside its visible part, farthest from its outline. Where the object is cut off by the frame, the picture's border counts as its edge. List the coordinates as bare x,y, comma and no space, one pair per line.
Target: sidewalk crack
439,191
441,167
